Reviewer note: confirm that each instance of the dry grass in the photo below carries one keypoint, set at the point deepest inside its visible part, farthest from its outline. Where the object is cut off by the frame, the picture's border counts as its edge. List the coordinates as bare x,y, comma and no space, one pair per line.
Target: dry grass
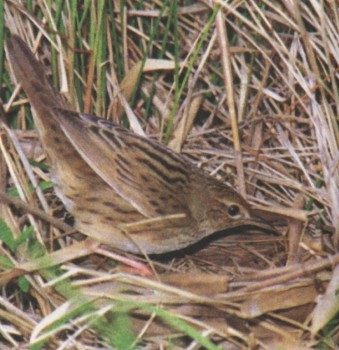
268,73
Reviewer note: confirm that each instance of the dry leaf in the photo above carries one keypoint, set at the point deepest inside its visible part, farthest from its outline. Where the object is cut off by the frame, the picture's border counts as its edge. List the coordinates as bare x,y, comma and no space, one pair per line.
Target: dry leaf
328,304
284,298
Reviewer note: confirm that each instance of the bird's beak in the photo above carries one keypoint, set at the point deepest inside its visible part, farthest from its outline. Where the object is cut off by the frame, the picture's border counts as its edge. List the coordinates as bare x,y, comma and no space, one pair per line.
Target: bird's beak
260,224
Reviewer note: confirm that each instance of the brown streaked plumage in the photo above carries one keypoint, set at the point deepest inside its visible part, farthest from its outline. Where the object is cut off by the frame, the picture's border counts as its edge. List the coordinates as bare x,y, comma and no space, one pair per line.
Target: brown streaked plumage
123,189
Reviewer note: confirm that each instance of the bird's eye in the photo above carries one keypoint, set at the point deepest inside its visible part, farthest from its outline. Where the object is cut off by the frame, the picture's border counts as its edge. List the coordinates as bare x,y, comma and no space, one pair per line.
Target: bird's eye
233,210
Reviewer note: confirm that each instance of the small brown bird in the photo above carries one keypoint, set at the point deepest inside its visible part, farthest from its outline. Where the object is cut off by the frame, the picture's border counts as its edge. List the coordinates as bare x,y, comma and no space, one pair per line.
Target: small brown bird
123,189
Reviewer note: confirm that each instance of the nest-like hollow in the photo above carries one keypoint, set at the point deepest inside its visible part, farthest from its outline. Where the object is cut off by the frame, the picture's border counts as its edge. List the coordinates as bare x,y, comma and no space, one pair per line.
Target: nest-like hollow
237,289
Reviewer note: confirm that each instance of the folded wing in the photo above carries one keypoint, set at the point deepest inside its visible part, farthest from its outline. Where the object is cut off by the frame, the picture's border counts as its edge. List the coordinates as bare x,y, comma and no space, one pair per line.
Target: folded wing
148,175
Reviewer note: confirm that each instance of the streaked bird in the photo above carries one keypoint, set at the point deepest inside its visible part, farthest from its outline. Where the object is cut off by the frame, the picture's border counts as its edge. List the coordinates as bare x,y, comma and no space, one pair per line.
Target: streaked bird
124,190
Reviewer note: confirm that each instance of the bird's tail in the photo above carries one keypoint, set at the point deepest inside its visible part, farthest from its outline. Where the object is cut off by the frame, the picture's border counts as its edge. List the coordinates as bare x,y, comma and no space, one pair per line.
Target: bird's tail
66,164
33,78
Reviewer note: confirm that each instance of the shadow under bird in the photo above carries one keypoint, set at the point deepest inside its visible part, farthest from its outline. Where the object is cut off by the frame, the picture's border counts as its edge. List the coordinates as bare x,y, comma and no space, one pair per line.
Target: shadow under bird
124,190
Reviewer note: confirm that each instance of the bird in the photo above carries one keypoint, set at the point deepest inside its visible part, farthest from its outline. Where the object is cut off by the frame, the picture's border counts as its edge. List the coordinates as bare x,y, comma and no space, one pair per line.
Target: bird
124,190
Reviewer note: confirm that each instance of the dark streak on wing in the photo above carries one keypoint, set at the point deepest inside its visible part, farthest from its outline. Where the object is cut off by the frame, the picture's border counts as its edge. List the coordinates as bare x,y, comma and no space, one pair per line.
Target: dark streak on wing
112,138
154,149
157,152
124,167
161,173
123,160
128,180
